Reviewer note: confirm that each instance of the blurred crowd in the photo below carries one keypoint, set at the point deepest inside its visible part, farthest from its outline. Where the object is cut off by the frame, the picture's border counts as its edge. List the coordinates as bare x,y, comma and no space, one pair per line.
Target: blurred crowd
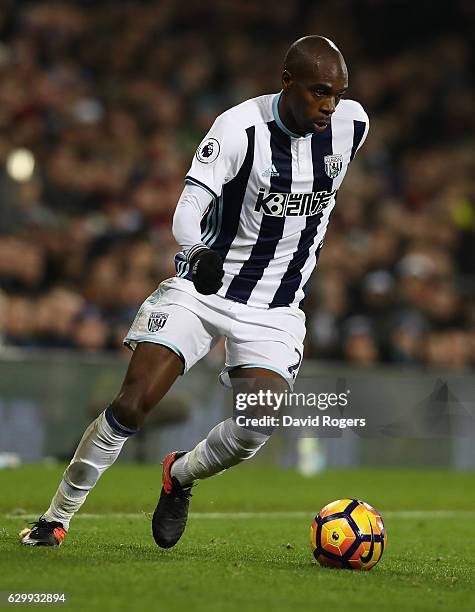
106,102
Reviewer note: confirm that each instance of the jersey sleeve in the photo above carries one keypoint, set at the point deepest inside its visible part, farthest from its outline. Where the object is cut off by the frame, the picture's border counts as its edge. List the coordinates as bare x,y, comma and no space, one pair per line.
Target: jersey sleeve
362,119
219,156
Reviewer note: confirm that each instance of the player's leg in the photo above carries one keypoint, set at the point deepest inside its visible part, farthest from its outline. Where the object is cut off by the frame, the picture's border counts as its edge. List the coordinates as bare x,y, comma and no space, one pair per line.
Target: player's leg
227,444
151,372
169,337
268,360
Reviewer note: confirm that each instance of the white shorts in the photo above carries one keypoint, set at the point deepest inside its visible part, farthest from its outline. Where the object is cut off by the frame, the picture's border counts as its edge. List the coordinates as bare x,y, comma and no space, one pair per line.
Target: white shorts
190,324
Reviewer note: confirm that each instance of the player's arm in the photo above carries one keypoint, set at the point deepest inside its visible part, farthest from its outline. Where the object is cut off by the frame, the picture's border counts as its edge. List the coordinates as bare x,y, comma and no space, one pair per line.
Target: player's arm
216,162
206,265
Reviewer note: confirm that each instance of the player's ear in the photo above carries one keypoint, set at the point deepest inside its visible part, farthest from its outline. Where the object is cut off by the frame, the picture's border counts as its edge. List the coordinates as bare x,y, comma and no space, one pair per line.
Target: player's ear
286,79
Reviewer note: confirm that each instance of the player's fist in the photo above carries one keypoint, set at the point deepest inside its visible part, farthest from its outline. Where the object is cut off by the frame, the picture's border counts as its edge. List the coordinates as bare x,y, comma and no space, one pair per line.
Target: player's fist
206,269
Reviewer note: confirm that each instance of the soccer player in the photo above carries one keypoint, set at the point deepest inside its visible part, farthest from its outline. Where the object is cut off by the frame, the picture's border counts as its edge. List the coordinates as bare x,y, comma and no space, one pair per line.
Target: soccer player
250,222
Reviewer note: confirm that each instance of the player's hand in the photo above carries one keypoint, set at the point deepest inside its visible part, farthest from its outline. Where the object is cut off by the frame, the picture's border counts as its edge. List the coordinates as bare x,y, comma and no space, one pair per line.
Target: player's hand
206,270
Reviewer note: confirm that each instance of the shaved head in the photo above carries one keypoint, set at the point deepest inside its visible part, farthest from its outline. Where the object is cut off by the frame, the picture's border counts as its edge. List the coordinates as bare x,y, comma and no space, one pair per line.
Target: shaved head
314,79
306,55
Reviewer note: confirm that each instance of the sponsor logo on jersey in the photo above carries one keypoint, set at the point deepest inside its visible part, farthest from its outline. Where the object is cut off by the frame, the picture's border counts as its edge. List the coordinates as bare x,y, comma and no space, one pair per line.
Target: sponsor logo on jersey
333,165
156,321
292,204
208,151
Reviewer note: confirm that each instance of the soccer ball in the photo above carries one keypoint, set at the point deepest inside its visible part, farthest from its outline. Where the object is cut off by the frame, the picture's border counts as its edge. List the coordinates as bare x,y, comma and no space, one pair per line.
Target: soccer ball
349,534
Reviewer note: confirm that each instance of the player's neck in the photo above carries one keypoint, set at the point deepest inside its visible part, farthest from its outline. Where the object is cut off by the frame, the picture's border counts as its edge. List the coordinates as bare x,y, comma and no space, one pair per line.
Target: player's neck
287,118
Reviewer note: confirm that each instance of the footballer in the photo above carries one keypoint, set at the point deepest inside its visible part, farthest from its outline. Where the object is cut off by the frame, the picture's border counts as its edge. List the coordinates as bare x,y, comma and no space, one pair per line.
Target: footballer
250,223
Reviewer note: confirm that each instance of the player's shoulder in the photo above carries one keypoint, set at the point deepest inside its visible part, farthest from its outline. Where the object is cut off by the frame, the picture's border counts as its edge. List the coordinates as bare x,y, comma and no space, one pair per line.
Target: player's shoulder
351,110
230,127
250,112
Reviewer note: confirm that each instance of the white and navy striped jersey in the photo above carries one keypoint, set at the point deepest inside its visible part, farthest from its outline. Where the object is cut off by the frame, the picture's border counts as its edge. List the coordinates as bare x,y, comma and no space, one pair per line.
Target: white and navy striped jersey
272,195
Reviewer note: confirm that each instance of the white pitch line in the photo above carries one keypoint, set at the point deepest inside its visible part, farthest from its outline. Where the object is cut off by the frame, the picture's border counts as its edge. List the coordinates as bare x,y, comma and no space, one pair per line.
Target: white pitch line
398,514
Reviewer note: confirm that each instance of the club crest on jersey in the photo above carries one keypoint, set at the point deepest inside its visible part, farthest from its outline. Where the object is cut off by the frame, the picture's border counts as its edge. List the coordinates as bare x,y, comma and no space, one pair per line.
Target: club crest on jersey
333,165
208,151
156,321
292,204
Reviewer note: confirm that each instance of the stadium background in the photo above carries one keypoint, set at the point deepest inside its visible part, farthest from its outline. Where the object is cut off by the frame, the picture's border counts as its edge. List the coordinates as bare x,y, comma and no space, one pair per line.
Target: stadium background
101,108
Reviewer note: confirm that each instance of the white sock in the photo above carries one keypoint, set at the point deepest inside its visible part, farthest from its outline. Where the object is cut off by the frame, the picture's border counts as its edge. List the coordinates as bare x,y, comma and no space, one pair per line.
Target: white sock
98,449
226,445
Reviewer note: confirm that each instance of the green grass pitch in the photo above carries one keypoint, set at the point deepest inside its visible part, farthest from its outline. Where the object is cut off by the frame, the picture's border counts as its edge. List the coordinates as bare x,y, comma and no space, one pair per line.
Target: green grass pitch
247,542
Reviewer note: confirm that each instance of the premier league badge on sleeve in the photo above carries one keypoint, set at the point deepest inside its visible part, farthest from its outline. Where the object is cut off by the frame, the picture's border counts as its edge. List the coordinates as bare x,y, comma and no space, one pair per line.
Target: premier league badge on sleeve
208,151
156,321
333,165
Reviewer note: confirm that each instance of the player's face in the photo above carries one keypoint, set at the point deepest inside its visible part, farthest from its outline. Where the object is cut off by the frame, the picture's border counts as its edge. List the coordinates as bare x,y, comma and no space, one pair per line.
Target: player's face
311,100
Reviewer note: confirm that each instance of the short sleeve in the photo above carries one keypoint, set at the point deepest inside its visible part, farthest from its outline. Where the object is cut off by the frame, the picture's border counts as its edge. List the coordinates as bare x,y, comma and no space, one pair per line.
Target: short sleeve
361,128
219,156
365,131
